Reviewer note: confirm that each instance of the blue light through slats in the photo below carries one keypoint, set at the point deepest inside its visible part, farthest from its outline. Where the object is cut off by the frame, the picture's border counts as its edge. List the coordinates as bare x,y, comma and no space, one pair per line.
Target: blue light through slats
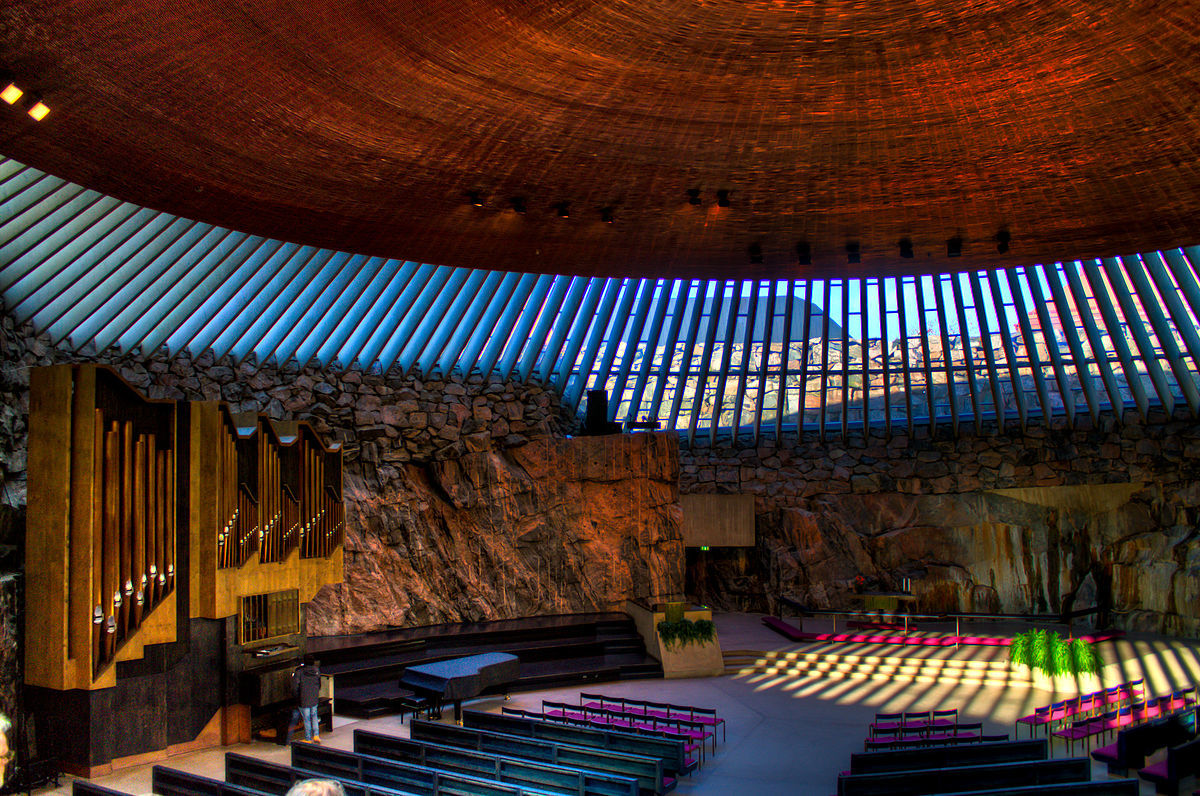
997,349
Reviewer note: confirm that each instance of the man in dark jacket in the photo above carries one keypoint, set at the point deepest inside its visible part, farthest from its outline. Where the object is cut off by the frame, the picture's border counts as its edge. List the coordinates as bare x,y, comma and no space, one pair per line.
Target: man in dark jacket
306,685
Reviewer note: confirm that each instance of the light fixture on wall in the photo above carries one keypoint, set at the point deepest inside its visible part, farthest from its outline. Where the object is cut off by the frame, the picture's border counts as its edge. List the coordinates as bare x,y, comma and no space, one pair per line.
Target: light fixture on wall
756,253
475,198
853,253
606,215
723,197
906,247
694,197
518,204
1003,238
803,253
563,209
954,246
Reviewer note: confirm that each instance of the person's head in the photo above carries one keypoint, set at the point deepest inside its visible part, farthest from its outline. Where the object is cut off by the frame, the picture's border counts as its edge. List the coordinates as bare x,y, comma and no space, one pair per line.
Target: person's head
317,787
5,754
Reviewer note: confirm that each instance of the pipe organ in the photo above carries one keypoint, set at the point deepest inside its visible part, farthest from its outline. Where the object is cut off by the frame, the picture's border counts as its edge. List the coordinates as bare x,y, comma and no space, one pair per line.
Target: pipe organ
171,549
133,549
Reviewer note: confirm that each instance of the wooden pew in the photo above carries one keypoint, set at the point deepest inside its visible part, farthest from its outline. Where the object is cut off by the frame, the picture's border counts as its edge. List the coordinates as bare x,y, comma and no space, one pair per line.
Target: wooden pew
256,776
671,752
1135,744
170,782
82,787
692,732
420,780
504,768
947,756
1182,761
966,778
648,771
1099,787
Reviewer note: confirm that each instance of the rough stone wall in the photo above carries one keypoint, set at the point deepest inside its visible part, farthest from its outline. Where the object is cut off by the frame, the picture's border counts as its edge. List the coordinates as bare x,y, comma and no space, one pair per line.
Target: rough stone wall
553,526
1011,523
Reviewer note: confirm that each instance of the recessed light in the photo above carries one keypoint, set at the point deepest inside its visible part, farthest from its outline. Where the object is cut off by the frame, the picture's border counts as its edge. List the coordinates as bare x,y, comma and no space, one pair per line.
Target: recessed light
11,93
39,111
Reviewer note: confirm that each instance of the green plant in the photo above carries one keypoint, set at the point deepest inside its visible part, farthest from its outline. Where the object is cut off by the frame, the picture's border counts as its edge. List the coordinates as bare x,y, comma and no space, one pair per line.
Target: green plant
1084,656
1053,654
684,631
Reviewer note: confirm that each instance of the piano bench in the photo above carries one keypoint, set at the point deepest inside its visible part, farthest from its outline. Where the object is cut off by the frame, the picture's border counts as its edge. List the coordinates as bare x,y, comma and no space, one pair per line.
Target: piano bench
418,706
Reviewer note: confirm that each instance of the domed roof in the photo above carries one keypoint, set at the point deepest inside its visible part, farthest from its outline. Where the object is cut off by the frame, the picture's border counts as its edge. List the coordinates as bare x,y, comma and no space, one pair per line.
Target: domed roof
373,127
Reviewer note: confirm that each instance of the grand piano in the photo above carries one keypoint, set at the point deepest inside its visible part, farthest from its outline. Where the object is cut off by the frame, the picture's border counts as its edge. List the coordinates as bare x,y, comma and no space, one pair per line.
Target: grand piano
462,678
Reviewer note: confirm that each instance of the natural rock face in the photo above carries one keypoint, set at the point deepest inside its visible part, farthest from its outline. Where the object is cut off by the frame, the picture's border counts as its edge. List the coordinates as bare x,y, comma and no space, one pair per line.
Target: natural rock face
554,526
1012,524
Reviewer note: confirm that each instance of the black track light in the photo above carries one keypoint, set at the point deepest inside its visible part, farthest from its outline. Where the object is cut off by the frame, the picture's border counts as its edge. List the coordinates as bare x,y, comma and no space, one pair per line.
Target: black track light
563,209
906,248
723,198
606,215
853,255
954,246
694,197
756,255
1002,241
475,198
803,253
518,204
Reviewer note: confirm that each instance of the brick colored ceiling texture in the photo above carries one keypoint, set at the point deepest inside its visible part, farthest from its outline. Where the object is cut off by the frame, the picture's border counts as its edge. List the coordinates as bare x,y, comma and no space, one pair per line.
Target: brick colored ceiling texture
365,126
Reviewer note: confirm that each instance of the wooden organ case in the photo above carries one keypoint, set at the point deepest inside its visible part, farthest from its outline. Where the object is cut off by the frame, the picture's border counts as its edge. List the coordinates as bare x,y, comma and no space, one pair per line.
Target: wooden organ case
171,548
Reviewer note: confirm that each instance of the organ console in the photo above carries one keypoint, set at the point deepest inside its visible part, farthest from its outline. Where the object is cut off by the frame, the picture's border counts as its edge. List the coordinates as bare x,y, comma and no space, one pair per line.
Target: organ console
171,548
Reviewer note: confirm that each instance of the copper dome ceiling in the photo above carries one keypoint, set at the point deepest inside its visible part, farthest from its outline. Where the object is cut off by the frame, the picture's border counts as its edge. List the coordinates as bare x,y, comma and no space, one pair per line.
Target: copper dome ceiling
365,126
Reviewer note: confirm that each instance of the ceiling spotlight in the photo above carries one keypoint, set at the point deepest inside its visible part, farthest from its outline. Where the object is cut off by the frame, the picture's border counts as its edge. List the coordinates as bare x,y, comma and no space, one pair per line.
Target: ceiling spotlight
11,93
853,255
518,204
475,198
723,198
1002,241
39,110
694,197
906,249
563,209
954,246
606,215
803,253
756,255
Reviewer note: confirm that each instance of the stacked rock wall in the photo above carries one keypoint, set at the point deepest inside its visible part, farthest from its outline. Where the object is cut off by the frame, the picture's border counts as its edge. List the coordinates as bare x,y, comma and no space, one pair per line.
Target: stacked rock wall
1031,522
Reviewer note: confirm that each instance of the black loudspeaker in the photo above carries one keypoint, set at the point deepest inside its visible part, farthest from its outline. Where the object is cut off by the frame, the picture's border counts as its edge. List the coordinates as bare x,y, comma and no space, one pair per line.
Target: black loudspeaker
596,419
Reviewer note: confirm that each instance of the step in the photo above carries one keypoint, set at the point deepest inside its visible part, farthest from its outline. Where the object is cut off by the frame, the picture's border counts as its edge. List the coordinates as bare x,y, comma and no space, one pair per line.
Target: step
805,664
796,655
925,678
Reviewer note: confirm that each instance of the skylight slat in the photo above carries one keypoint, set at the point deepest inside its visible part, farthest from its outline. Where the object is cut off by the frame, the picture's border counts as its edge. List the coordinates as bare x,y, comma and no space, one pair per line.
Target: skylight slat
1094,338
1010,355
1133,323
764,363
1079,359
1152,305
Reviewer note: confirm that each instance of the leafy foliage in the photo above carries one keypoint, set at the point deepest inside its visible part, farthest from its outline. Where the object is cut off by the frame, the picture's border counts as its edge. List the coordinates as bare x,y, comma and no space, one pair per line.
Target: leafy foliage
1053,654
684,631
1084,657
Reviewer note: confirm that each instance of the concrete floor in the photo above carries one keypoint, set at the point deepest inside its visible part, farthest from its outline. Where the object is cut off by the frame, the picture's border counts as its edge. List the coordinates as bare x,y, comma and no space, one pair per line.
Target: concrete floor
786,735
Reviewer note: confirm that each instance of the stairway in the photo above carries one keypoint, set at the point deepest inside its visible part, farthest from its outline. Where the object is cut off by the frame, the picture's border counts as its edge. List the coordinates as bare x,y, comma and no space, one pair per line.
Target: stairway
834,665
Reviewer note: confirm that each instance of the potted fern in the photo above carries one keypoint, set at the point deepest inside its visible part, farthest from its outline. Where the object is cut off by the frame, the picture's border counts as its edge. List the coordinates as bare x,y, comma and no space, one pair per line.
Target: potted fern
1056,663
